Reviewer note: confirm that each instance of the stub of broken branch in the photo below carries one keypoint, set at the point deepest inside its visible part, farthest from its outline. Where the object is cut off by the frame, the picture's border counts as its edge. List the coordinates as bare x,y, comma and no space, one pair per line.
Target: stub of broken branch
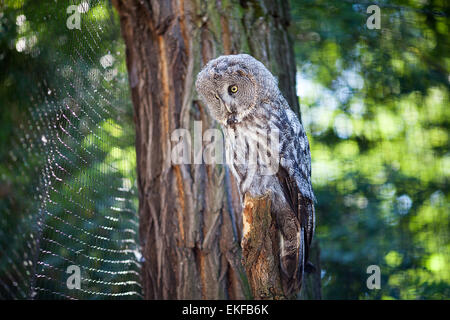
260,249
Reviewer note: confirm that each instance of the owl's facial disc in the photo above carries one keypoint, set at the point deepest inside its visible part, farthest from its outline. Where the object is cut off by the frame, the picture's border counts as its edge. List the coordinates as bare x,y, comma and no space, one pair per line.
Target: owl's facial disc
229,88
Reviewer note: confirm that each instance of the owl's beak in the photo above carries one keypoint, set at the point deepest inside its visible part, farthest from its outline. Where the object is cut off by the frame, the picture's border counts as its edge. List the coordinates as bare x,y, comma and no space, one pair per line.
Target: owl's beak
228,108
232,117
223,103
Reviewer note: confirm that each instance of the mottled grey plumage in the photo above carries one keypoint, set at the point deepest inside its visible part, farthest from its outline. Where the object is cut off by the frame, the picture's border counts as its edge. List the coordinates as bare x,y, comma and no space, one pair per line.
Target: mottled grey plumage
251,118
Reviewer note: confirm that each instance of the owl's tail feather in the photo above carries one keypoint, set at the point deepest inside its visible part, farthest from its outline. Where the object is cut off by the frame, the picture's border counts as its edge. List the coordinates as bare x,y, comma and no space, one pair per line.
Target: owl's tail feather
292,257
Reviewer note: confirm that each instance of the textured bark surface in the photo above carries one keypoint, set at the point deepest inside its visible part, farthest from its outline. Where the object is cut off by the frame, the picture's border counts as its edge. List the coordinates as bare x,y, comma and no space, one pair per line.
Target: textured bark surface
260,251
190,214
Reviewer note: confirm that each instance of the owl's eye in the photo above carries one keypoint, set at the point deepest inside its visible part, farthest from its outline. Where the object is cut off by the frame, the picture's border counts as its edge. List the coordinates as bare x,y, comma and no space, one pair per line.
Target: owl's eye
233,89
217,96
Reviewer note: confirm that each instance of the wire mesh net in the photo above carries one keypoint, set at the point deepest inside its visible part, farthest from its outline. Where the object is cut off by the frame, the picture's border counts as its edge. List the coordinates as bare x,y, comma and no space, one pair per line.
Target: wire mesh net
71,203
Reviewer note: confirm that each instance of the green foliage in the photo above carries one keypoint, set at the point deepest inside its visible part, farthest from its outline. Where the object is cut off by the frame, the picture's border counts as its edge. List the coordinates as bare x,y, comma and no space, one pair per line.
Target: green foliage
376,107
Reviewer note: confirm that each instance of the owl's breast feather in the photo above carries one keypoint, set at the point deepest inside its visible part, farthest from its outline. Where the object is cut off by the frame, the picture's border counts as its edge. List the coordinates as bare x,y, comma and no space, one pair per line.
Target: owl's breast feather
249,174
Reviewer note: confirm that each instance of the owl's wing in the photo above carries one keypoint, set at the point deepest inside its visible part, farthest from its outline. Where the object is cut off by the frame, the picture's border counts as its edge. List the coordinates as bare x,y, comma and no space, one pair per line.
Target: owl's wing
294,178
301,206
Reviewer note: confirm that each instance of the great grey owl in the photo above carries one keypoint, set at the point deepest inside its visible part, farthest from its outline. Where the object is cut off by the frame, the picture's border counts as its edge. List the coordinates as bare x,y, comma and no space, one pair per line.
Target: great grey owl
243,96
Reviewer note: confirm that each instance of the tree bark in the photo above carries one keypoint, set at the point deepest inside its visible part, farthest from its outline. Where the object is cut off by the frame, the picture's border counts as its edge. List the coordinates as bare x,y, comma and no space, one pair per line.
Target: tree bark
260,251
190,214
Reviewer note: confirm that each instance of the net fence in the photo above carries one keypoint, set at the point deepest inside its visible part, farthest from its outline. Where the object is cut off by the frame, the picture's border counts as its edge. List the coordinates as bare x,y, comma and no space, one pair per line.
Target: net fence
68,204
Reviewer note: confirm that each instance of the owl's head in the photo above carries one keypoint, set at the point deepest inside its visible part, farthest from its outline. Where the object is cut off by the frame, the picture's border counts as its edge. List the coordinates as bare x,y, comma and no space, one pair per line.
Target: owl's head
233,86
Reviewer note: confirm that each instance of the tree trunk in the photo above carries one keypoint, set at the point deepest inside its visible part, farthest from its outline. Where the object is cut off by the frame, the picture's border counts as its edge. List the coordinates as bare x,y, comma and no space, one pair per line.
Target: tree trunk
190,214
